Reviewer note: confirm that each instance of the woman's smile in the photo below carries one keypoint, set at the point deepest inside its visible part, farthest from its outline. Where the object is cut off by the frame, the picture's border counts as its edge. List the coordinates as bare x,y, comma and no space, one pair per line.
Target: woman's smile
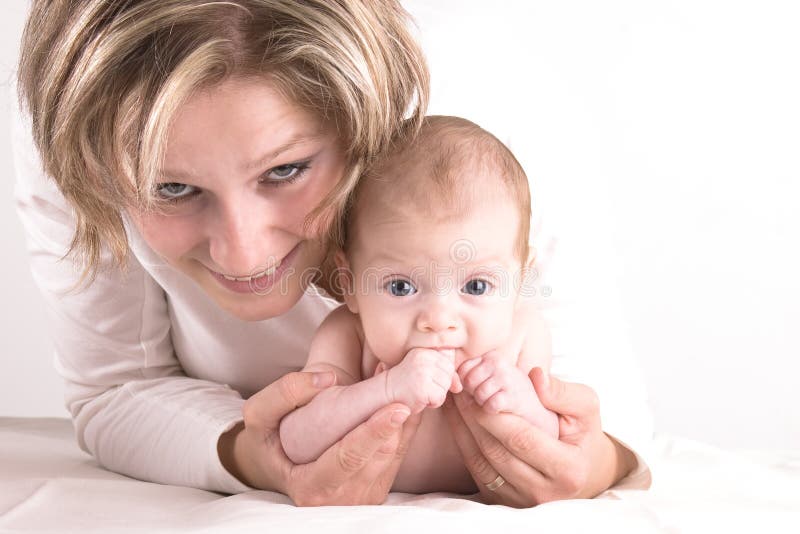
232,208
260,282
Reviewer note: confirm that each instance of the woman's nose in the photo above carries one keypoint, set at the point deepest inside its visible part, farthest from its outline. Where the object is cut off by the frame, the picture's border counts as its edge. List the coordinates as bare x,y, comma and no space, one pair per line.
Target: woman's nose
238,240
439,314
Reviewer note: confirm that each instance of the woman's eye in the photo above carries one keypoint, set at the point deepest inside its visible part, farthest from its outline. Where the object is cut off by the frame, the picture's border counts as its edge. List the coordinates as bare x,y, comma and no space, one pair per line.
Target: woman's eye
286,173
401,288
476,287
175,191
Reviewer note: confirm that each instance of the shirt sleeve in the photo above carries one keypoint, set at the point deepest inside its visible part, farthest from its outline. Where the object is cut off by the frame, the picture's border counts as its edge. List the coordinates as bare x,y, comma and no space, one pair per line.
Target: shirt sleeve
574,284
132,405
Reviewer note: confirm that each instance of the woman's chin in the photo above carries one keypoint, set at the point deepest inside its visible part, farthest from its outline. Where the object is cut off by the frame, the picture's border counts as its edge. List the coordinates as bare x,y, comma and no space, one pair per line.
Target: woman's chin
259,307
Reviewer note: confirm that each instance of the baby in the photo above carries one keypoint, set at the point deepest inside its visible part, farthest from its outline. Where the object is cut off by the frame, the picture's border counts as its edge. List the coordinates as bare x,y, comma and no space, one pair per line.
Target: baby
431,266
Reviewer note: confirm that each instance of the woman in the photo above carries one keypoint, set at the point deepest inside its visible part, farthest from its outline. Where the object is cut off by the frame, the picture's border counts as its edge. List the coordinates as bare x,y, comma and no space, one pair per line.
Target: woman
191,153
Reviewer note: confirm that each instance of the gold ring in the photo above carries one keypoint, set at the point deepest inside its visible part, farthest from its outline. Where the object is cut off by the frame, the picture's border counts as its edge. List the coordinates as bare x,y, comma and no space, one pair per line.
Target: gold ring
496,483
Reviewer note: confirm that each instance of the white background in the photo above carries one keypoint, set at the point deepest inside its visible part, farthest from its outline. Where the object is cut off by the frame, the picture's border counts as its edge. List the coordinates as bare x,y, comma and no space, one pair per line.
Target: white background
666,134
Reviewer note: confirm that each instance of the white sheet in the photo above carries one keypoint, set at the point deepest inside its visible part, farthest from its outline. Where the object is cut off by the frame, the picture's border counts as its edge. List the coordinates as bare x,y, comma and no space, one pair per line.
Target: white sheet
48,485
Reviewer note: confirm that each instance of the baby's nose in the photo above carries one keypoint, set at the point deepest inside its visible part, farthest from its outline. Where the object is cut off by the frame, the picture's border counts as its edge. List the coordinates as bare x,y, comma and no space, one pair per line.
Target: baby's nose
438,316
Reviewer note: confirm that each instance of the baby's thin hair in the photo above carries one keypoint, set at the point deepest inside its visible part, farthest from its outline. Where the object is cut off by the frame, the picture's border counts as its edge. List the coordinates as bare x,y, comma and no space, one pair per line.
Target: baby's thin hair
440,173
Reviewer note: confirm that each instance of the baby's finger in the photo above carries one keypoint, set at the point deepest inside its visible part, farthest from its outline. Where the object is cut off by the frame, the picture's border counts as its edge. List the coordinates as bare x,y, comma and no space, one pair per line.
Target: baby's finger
448,353
489,387
467,366
447,357
478,376
499,402
453,381
456,386
437,400
446,366
442,378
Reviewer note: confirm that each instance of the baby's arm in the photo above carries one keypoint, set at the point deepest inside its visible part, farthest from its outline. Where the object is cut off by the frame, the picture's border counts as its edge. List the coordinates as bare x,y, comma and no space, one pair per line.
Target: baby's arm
499,384
308,431
420,380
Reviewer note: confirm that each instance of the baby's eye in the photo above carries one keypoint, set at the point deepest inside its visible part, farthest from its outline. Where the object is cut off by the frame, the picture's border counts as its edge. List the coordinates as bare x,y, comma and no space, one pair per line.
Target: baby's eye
476,287
401,288
175,191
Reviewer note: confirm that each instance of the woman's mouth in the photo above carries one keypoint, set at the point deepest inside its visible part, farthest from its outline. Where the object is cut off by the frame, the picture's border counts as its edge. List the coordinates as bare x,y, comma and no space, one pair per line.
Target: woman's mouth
266,272
260,282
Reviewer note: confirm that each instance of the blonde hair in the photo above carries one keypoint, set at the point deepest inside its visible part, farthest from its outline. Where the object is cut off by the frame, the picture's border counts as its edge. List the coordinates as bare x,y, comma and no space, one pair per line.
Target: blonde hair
103,79
441,173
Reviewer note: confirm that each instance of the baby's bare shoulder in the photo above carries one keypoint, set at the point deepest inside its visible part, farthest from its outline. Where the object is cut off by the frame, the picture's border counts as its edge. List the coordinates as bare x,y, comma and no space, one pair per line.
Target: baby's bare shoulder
339,318
535,342
338,344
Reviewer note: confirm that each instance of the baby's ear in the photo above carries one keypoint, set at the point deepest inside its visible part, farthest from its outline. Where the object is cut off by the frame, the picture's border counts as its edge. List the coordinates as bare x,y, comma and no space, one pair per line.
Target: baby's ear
528,275
344,280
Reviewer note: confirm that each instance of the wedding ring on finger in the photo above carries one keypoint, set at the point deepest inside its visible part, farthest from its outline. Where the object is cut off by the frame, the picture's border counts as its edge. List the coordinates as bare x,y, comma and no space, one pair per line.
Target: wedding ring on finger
496,483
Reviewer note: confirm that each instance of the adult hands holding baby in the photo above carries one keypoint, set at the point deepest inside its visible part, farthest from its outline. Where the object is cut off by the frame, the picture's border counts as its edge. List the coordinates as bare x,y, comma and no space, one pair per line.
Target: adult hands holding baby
517,464
359,469
512,461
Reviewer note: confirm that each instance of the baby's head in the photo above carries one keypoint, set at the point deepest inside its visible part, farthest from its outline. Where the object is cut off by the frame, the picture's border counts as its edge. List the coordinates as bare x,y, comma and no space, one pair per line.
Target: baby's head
435,242
451,167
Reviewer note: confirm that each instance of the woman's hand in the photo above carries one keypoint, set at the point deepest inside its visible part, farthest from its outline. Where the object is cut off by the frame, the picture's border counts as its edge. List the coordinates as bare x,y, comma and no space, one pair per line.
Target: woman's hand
359,469
517,464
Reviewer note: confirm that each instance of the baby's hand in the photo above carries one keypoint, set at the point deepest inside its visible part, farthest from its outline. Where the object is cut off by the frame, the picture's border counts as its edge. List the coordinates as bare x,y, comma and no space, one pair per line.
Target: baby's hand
422,379
496,385
499,386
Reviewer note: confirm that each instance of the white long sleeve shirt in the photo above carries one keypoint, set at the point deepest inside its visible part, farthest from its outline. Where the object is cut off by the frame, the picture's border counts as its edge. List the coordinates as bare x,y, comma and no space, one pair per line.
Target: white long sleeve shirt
155,372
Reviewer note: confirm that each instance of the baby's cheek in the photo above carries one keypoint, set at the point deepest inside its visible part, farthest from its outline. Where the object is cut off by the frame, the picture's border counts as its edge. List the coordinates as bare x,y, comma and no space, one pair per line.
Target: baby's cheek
385,341
491,333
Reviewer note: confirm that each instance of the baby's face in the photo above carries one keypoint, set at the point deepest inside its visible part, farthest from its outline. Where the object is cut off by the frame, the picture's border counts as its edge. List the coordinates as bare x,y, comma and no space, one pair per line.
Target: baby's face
447,285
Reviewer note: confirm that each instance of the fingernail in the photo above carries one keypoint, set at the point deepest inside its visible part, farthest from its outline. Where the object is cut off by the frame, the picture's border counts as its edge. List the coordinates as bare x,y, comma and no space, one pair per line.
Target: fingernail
323,380
399,417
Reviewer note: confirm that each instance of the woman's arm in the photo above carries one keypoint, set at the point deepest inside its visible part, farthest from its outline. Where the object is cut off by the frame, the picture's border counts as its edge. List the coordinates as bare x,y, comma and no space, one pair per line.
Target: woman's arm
135,410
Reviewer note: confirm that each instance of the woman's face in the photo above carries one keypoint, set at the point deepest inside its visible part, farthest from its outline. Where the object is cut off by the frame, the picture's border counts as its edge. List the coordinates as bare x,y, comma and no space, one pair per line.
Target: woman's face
242,169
